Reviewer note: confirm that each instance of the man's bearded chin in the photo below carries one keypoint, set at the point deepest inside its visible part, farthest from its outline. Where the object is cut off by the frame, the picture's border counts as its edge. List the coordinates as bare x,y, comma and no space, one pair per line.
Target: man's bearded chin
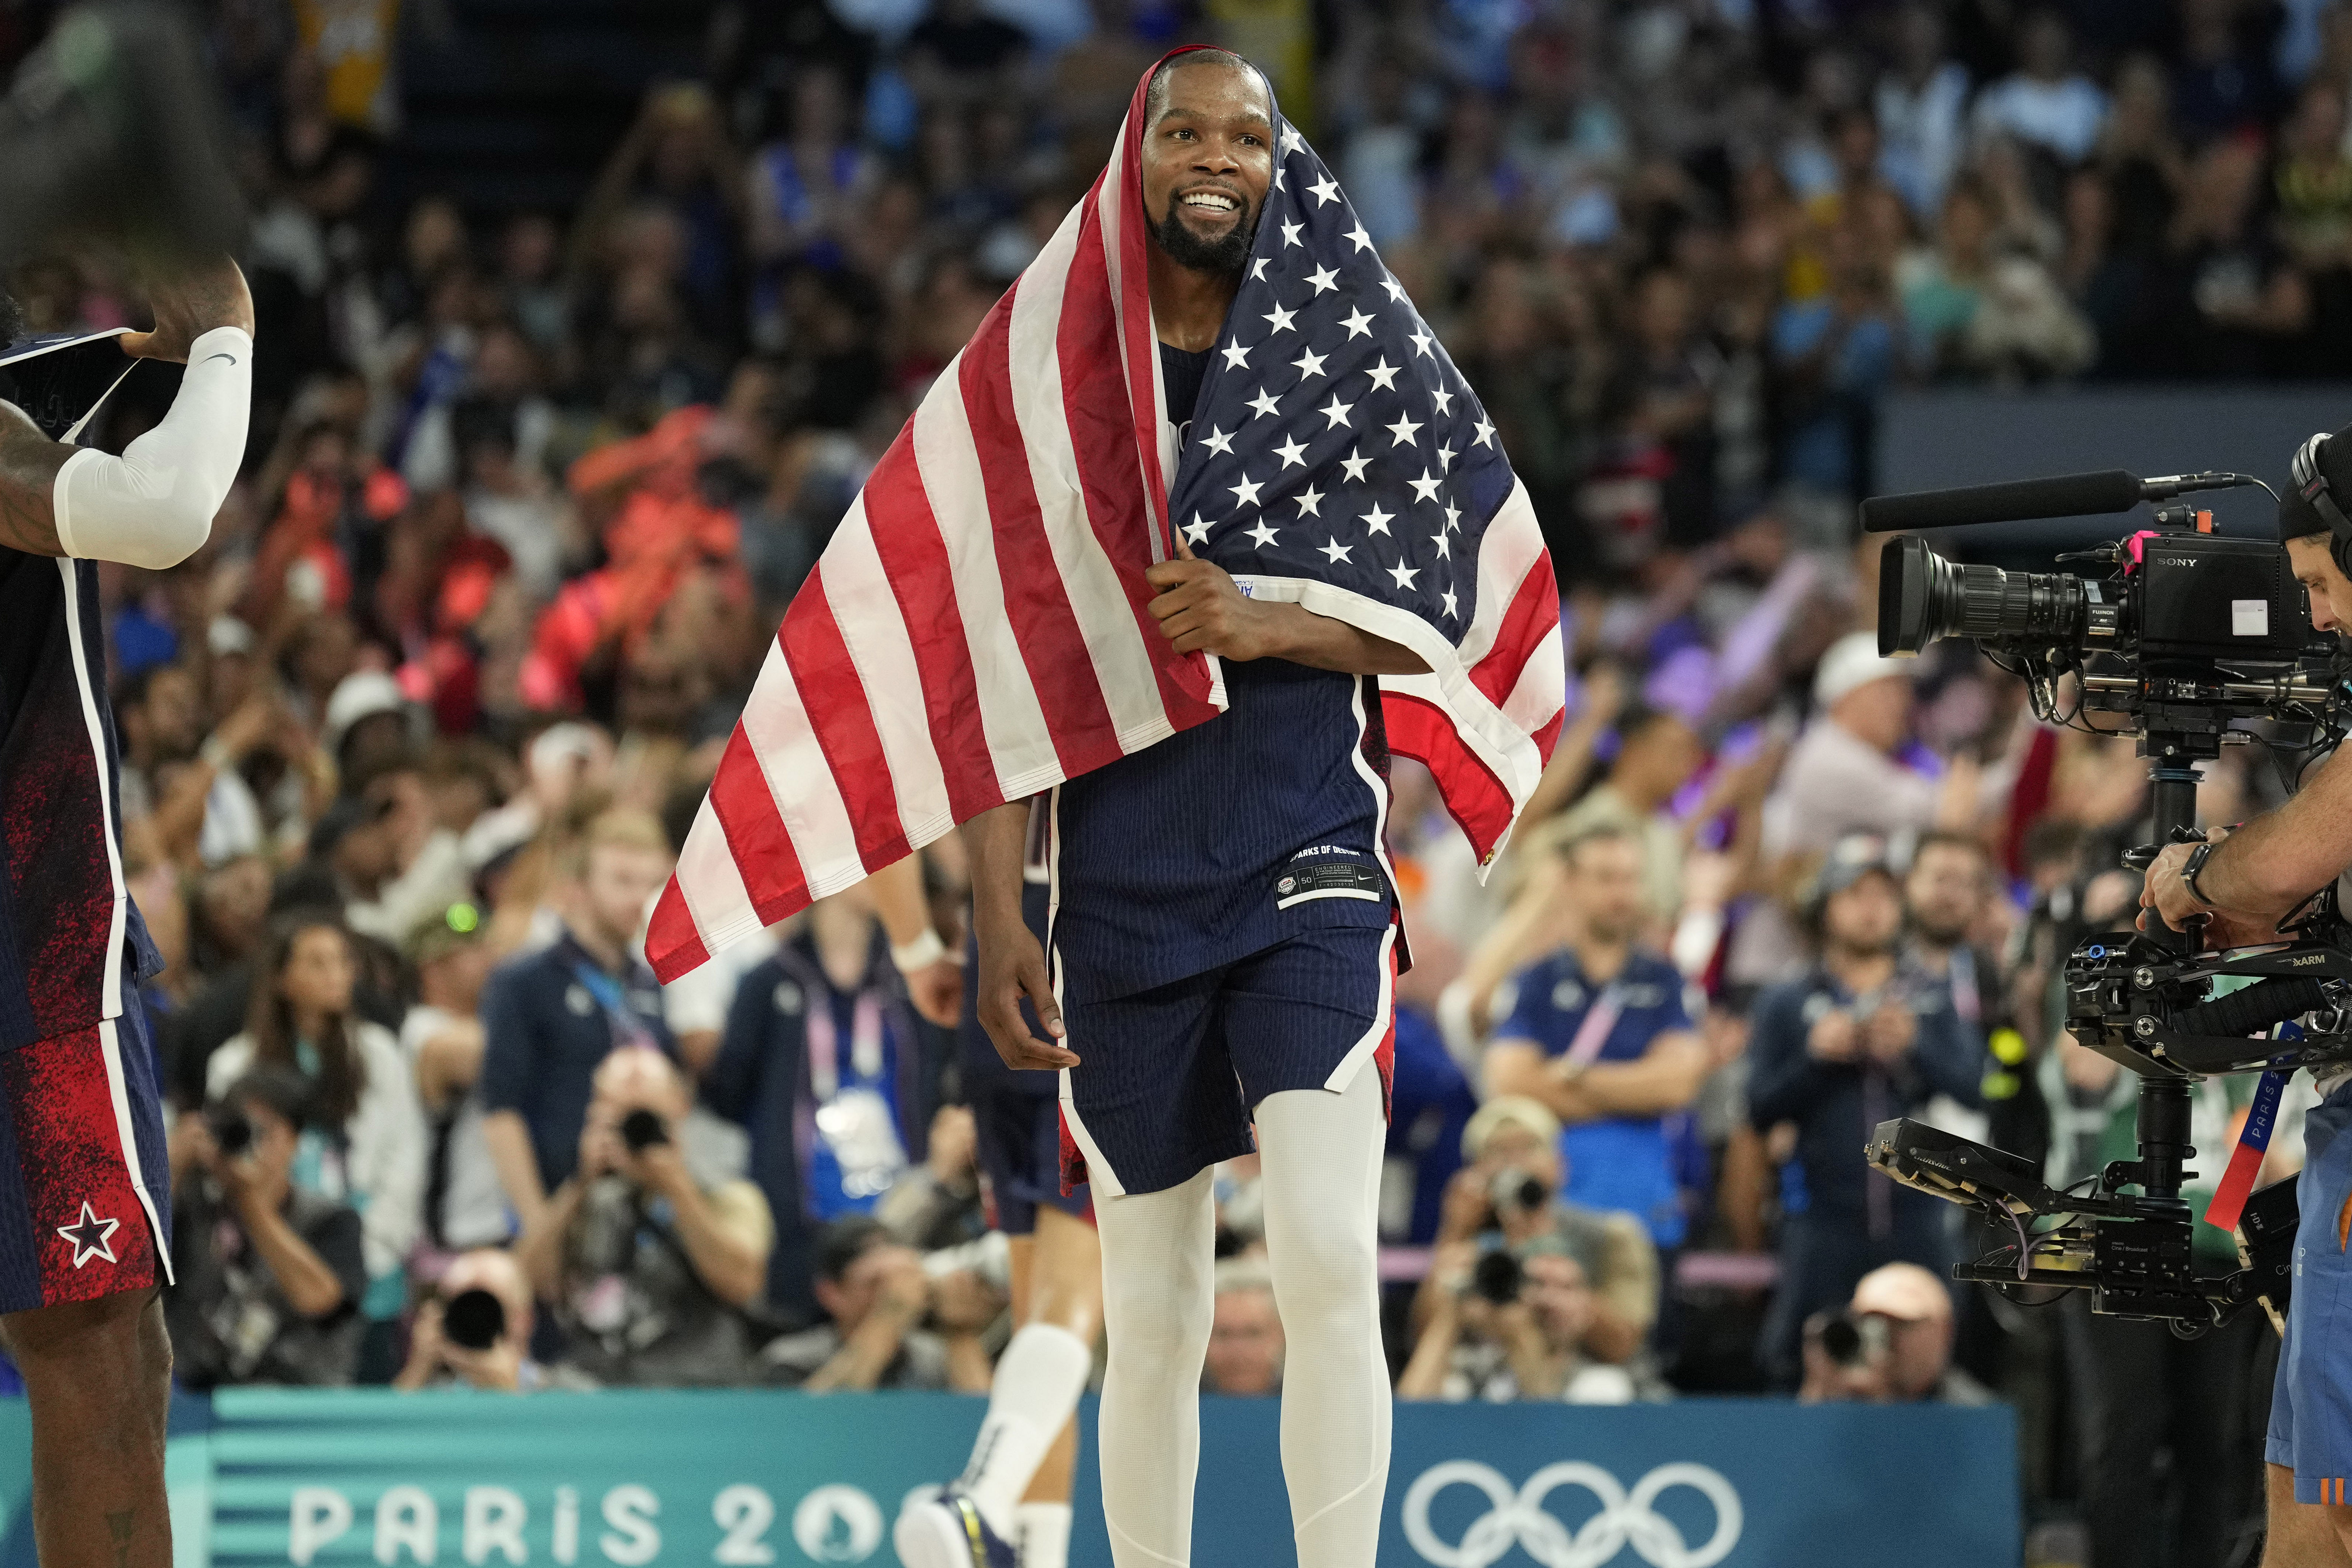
1225,257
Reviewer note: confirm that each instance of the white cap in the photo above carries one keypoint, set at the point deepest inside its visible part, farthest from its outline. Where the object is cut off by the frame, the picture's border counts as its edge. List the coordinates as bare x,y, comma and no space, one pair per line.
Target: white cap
363,694
226,634
1853,661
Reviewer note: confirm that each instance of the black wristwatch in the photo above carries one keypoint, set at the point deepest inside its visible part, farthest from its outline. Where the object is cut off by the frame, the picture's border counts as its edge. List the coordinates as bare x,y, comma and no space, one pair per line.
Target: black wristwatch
2194,864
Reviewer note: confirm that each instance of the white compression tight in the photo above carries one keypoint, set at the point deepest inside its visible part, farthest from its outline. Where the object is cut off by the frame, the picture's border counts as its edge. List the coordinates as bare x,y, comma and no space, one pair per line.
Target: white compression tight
1321,1159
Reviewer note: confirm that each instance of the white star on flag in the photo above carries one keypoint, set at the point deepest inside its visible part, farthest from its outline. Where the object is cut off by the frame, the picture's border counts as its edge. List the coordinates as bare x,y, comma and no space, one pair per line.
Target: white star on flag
1246,493
1452,513
1290,233
1257,270
1335,551
1262,533
1383,375
1326,191
1219,442
1423,487
1378,521
1444,550
1362,238
1404,575
1336,412
1395,289
1324,279
1403,430
1292,454
1421,342
1443,399
1359,325
1485,435
1444,459
1310,364
1264,403
1196,530
1450,609
1310,501
1291,140
1281,319
1236,356
1355,463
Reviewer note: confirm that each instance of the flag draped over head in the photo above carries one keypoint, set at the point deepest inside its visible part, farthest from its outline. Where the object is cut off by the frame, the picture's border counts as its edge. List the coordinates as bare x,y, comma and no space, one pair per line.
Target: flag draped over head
977,629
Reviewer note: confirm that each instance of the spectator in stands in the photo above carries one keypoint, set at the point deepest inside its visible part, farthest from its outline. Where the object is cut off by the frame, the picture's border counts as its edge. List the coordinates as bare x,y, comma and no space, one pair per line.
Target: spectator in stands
1861,1038
363,1138
650,1265
1244,1355
267,1276
1657,754
1891,1345
442,1038
875,1296
1602,1034
548,1018
1507,1198
1946,890
424,867
475,1331
2046,102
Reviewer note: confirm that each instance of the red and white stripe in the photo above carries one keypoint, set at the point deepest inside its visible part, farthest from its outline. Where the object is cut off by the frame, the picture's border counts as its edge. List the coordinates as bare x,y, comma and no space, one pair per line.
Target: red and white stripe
977,629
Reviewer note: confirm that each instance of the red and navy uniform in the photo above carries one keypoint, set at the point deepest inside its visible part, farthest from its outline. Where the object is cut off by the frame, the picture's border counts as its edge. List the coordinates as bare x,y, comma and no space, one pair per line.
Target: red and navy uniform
1016,1114
85,1194
1223,918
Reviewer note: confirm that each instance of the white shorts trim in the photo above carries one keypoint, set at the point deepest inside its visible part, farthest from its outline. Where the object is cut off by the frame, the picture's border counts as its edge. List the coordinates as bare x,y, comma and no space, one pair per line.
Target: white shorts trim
110,1045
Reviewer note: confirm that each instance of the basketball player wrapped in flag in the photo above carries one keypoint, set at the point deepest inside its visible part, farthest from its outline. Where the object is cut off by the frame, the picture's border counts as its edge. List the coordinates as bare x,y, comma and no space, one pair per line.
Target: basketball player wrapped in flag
1202,525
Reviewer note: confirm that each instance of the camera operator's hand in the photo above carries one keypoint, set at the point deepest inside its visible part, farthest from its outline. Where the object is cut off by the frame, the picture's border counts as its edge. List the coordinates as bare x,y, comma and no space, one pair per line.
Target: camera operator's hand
2164,889
191,1147
601,1149
657,1168
1890,1032
257,1182
964,1303
498,1370
1468,1209
1834,1037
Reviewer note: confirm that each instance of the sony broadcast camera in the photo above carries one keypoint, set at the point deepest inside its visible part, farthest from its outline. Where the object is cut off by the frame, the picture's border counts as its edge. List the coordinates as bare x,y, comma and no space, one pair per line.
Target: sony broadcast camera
2190,641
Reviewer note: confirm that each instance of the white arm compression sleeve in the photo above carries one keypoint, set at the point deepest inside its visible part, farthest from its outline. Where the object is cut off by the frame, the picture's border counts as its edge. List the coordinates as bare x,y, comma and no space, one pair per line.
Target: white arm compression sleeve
153,506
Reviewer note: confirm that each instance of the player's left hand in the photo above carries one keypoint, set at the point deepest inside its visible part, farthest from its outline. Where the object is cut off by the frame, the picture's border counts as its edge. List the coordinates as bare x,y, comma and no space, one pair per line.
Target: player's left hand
1201,609
936,992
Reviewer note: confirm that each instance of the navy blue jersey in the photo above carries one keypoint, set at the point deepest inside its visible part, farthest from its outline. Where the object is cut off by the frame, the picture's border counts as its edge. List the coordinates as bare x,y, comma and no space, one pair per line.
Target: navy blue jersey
1618,1161
1227,837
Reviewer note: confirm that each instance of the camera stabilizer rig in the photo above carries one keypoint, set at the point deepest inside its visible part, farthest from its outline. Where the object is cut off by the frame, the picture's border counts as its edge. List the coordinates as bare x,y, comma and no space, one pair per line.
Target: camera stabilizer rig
2184,633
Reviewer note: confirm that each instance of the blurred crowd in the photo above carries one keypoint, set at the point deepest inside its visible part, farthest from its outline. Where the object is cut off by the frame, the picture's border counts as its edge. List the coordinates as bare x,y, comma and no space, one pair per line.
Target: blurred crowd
410,746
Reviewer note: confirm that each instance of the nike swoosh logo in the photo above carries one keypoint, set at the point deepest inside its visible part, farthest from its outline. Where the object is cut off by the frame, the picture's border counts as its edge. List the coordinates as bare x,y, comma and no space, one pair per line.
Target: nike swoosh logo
209,358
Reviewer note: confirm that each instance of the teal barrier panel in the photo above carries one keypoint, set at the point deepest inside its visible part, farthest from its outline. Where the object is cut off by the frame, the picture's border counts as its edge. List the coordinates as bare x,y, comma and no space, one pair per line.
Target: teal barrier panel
759,1479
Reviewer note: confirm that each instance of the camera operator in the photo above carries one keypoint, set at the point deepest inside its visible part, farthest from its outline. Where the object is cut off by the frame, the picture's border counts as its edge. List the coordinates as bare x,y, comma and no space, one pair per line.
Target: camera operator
1892,1345
1504,1204
2244,882
267,1276
475,1329
1863,1037
649,1265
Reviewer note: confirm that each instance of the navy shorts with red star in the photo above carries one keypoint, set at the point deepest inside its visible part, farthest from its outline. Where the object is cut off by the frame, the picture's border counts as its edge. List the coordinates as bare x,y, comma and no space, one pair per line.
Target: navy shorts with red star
85,1185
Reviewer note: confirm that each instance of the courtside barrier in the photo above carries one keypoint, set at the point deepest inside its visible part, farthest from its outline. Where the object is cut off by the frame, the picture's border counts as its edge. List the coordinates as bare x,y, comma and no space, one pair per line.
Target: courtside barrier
266,1479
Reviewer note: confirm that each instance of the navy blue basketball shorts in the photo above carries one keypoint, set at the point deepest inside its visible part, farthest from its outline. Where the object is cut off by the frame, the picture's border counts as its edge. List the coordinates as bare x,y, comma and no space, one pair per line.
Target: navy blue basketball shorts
1020,1156
1167,1079
85,1185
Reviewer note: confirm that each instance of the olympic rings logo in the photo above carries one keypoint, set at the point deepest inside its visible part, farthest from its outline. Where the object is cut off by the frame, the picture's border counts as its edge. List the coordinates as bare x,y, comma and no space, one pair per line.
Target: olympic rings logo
1626,1517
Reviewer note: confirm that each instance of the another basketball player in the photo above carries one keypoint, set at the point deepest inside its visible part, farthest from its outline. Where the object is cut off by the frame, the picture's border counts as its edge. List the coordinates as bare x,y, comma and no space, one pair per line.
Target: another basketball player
85,1195
1187,999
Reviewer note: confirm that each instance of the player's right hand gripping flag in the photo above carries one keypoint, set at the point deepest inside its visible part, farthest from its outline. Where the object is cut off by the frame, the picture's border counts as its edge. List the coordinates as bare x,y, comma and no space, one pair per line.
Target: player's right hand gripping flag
976,631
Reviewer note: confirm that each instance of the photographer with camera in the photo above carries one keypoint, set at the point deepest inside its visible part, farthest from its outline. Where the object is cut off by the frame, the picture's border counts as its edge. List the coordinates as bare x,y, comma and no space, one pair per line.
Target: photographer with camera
1891,1345
267,1276
650,1265
475,1331
2240,883
1861,1038
1503,1213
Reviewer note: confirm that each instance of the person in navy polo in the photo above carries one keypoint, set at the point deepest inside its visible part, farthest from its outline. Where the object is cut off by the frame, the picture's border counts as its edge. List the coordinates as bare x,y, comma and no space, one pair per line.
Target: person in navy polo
550,1017
1604,1035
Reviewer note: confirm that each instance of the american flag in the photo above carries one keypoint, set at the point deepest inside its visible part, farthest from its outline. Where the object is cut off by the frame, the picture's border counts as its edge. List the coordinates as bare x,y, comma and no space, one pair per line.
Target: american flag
976,632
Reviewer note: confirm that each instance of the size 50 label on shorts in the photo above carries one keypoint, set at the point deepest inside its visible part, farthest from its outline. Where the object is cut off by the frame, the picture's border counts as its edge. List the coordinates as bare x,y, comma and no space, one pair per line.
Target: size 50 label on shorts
1329,879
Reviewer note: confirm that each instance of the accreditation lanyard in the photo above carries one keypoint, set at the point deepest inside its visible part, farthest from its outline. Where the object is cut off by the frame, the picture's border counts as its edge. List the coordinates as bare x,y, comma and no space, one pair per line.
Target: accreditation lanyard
1599,1024
825,1045
628,1029
2237,1182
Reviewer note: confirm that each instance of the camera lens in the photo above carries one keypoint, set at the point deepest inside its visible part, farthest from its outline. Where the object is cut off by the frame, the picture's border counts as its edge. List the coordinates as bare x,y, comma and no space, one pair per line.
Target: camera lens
474,1320
641,1129
1842,1340
1531,1194
1496,1276
1922,596
232,1133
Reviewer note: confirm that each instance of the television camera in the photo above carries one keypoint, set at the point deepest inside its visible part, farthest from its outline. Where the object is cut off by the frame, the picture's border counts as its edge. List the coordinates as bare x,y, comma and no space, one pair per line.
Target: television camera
2180,636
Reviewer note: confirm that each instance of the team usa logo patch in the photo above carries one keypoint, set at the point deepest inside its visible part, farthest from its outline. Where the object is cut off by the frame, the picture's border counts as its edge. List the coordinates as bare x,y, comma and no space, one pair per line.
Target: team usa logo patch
91,1236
